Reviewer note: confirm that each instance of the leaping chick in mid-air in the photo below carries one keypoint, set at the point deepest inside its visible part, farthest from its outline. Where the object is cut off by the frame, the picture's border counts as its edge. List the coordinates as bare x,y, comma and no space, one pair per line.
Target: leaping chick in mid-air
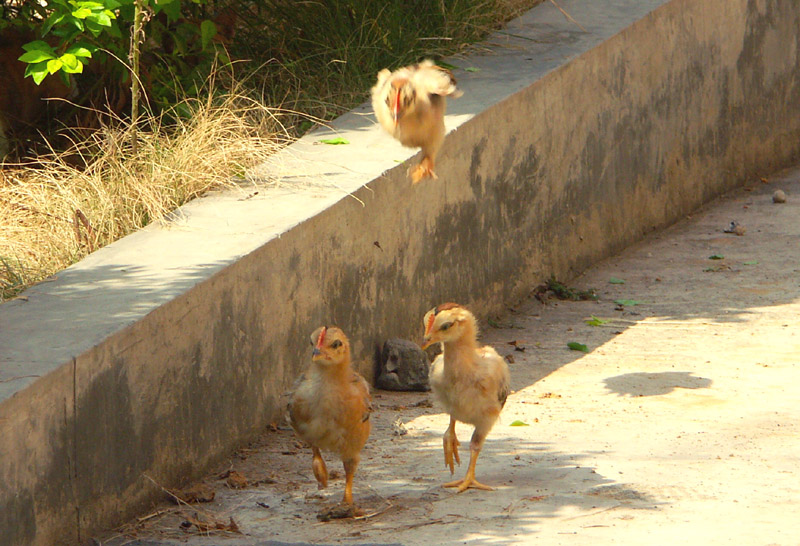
410,104
471,382
329,407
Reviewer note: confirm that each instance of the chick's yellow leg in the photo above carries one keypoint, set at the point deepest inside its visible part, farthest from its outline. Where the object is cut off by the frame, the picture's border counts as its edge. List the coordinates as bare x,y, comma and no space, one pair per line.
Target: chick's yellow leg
320,470
469,480
349,471
423,170
450,443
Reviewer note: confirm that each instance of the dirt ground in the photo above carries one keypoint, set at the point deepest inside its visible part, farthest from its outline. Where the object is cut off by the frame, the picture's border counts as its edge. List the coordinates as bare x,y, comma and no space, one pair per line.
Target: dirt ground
680,425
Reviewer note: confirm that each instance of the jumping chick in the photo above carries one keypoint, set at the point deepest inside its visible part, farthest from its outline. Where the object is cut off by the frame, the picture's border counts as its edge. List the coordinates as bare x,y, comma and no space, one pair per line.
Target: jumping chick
471,382
330,406
410,104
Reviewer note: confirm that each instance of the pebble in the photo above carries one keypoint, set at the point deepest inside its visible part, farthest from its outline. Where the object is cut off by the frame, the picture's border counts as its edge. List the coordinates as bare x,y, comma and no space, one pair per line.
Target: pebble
779,196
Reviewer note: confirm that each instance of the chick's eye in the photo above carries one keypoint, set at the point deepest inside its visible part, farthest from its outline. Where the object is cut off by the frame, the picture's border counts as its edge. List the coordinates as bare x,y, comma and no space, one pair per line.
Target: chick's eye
336,344
445,326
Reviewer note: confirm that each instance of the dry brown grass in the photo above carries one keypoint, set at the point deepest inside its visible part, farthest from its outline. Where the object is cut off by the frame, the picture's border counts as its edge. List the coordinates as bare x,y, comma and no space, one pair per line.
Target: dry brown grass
54,213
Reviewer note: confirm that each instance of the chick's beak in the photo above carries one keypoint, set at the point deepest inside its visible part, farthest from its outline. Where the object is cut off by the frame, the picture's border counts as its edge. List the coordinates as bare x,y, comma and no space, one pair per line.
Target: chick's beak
426,342
396,108
315,353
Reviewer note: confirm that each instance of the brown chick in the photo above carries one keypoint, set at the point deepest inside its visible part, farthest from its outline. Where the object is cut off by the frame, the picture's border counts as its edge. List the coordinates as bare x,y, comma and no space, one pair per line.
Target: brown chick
410,104
330,405
471,382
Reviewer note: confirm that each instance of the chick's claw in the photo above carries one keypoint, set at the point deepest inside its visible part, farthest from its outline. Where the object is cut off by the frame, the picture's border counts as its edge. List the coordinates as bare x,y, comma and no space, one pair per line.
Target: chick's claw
451,451
422,171
469,482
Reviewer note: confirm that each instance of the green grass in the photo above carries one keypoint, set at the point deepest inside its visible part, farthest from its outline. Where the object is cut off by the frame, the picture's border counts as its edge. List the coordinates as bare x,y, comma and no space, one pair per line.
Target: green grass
321,57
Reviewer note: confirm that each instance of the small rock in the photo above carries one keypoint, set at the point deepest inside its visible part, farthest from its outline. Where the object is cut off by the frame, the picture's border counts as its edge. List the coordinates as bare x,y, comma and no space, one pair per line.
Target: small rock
779,196
735,228
398,428
403,367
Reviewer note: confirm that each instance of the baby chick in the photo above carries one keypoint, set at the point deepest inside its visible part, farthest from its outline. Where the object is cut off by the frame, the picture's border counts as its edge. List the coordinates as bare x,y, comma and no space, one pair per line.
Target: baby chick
471,382
330,405
410,104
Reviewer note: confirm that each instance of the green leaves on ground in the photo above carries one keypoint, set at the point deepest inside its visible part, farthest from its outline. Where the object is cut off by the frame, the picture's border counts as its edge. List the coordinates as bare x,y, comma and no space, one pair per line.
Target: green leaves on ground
595,321
563,292
750,262
628,303
615,280
519,423
334,141
716,257
575,346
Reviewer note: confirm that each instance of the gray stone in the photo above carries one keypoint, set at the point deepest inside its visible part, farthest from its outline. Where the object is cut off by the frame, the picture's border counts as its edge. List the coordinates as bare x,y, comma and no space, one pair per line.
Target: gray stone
404,367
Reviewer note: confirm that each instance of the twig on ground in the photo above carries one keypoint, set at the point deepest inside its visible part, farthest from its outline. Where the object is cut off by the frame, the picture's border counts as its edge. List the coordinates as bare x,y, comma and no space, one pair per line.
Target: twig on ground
568,16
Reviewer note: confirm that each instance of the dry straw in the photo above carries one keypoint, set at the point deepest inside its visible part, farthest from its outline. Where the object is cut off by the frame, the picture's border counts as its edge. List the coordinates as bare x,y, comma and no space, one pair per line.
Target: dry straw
54,213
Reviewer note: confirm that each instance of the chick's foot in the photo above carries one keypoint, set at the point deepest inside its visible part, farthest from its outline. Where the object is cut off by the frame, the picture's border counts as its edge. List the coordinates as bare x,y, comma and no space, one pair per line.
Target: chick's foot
422,171
451,444
469,482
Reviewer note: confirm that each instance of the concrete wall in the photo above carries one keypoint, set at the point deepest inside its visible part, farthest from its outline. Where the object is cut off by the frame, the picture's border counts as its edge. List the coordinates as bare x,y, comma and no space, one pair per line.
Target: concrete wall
161,353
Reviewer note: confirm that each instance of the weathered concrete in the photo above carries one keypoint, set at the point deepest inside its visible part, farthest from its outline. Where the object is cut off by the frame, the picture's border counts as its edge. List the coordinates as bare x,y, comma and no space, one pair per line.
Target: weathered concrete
568,147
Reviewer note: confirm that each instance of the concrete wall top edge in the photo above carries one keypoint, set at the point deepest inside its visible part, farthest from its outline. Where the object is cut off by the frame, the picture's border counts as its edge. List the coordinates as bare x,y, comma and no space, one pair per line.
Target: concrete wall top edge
121,283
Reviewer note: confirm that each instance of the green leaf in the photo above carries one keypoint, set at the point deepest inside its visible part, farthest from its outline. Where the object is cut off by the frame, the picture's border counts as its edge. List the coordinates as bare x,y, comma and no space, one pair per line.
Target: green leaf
172,9
751,262
80,50
74,21
207,32
35,56
334,141
81,13
575,346
37,45
101,19
447,65
71,64
51,21
615,280
95,28
595,321
472,69
54,65
519,423
716,257
37,71
629,303
114,30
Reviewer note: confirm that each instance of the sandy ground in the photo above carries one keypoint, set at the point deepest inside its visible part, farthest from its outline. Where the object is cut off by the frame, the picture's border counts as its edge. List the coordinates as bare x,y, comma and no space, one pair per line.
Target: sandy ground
681,425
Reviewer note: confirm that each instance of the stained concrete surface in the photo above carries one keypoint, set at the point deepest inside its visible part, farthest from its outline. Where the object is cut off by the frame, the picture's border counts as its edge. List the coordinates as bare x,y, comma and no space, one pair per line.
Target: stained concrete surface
681,425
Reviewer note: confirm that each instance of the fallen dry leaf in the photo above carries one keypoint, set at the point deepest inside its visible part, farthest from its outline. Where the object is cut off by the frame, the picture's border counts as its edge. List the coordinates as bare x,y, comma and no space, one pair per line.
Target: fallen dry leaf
236,480
550,395
198,492
213,525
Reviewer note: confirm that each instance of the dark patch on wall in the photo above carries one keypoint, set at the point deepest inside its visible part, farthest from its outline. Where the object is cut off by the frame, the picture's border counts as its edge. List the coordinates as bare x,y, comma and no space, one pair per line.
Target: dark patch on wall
17,519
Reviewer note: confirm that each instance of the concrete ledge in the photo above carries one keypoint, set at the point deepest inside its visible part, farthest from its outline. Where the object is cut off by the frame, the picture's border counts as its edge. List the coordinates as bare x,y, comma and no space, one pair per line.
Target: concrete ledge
161,353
